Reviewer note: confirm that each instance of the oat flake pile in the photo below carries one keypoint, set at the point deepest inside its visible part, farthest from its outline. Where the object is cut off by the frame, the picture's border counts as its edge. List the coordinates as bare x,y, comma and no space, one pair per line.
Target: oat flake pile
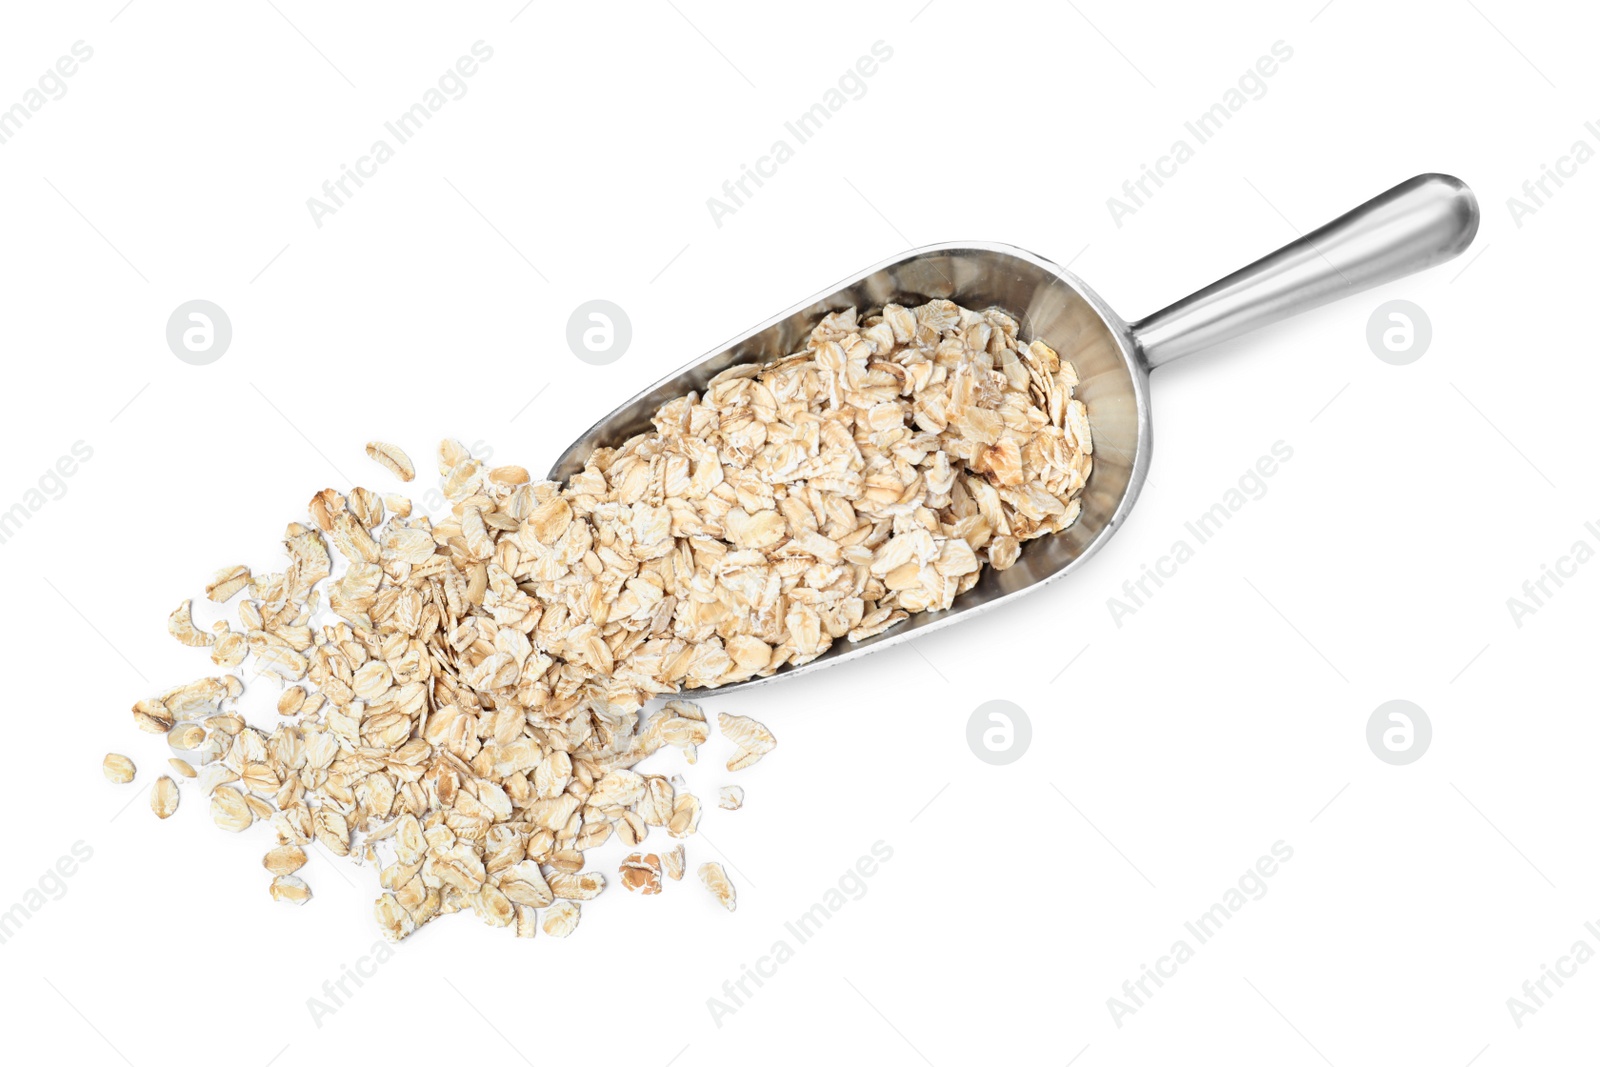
464,703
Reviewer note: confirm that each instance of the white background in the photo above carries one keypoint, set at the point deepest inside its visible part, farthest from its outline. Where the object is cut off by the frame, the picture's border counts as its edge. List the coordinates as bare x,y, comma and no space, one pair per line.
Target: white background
1226,715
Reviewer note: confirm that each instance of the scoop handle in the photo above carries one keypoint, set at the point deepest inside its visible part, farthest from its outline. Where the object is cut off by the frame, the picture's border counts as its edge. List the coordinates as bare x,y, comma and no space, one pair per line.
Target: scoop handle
1425,220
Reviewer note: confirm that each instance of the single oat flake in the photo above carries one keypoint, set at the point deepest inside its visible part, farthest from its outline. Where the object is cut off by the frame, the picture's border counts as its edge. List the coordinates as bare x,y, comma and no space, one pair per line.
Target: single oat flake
561,918
394,458
117,768
164,797
673,860
641,874
715,879
229,811
285,859
754,740
469,697
290,889
226,582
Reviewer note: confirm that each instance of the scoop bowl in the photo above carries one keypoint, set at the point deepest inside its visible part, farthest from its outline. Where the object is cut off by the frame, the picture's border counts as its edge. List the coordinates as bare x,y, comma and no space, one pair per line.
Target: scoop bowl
1421,222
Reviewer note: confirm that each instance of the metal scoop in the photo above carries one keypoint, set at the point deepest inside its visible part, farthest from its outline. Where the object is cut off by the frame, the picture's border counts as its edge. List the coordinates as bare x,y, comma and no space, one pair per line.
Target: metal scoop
1427,220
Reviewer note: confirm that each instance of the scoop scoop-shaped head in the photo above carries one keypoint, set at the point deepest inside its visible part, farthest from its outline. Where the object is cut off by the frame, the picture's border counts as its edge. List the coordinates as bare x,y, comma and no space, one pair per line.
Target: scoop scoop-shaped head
1050,305
1423,221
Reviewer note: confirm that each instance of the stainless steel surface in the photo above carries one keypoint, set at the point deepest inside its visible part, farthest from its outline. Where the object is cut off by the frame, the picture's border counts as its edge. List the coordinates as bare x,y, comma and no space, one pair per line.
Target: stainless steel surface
1424,221
1427,220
